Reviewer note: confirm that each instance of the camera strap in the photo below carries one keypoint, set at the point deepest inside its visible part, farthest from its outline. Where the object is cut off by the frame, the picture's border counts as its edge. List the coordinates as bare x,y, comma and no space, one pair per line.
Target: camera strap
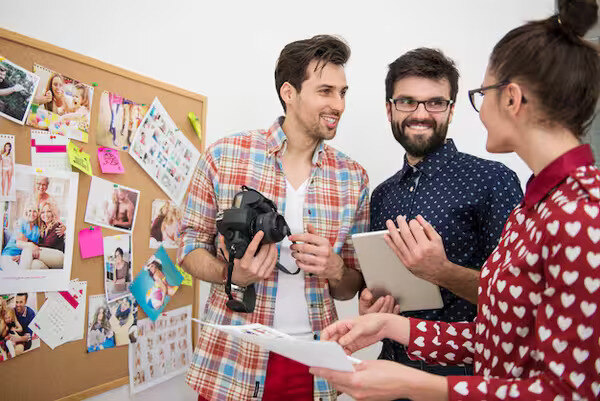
246,305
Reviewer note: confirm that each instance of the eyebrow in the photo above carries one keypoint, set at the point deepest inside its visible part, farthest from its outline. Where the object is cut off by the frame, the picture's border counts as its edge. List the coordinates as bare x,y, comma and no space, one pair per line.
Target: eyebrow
326,86
427,100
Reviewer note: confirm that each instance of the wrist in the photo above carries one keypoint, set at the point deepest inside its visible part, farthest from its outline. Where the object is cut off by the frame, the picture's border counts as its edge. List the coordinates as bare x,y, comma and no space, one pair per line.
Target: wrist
426,386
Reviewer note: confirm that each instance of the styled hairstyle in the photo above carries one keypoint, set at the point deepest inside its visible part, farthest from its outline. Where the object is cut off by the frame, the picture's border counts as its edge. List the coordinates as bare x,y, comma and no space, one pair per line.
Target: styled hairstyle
424,63
560,69
9,148
104,323
43,225
295,57
49,84
119,251
85,101
23,294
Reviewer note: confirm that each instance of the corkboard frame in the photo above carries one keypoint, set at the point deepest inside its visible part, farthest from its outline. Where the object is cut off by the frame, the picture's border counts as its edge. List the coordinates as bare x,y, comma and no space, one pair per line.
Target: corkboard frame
68,372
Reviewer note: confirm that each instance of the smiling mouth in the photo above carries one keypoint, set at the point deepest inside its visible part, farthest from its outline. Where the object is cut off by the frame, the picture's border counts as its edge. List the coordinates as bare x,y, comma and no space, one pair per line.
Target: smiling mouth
330,121
416,125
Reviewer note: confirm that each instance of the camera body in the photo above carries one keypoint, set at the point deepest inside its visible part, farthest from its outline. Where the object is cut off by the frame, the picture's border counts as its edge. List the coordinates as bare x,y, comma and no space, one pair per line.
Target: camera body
250,213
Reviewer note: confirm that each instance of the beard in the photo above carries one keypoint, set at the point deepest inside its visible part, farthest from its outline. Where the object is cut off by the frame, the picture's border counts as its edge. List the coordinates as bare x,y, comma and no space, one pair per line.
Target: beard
420,146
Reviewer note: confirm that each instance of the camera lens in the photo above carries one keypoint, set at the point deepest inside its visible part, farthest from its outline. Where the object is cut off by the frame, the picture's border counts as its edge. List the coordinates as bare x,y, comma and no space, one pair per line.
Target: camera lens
273,225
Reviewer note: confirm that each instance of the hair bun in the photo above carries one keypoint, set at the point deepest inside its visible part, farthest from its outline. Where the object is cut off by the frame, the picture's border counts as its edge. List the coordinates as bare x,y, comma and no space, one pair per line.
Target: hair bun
578,16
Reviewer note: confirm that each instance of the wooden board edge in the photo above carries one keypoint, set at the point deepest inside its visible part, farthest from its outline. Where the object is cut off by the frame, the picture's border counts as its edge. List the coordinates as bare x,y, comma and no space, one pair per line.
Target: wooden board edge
102,388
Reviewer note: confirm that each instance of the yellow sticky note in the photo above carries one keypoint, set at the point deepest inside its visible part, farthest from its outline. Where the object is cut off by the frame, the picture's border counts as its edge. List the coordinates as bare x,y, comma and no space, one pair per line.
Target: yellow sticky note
79,159
187,278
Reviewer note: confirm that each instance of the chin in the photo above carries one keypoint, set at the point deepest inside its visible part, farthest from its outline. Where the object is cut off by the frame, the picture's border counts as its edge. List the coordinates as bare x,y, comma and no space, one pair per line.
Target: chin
498,147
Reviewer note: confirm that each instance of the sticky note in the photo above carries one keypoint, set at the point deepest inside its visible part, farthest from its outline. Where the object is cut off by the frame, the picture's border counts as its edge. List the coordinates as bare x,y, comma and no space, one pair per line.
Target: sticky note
187,278
195,124
79,159
90,242
110,162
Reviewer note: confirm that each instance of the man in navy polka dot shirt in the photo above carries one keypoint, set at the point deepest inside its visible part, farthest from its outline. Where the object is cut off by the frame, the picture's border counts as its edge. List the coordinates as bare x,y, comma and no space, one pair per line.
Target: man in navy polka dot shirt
466,199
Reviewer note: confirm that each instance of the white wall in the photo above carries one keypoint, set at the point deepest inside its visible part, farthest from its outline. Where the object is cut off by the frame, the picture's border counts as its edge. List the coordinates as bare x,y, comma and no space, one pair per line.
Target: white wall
227,51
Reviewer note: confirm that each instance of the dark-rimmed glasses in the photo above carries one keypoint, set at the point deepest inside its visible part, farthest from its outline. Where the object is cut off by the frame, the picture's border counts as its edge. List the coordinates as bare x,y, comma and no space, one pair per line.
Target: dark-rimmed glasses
476,95
408,105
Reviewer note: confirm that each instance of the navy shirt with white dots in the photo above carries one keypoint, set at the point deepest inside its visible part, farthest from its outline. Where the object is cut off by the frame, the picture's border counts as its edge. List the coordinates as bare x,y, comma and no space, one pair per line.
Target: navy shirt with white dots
465,198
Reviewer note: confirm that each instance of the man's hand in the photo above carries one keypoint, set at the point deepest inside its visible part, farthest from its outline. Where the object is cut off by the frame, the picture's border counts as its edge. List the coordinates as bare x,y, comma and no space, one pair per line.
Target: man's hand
419,247
253,266
315,255
368,304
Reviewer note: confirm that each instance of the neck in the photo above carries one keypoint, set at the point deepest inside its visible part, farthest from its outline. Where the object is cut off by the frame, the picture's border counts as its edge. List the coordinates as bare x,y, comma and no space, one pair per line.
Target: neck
300,145
541,146
412,160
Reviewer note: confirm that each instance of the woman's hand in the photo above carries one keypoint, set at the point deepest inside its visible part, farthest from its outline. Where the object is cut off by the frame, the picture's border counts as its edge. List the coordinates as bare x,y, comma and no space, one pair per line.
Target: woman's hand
60,229
358,333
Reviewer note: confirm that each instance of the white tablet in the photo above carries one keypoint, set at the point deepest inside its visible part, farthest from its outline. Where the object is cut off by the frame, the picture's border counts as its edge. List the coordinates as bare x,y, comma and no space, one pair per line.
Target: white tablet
384,274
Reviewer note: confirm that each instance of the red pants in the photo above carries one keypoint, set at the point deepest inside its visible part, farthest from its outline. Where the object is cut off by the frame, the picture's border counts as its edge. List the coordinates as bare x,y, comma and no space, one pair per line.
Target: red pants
286,380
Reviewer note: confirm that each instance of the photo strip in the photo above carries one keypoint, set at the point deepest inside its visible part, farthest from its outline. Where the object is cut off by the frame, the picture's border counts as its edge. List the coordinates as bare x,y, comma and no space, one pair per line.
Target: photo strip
118,260
7,168
165,224
17,89
164,152
111,324
118,119
112,205
16,313
37,247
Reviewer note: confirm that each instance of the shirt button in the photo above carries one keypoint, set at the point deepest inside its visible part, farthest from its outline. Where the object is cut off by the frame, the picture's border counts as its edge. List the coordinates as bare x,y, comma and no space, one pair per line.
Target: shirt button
412,189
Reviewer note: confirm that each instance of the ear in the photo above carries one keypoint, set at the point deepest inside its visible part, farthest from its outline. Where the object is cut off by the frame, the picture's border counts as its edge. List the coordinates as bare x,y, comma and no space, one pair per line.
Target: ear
512,98
388,108
287,93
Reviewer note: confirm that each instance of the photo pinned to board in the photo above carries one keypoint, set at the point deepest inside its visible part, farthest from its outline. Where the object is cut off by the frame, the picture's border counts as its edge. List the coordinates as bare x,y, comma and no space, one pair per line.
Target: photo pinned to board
156,283
17,89
61,105
16,335
112,205
37,246
7,168
164,152
118,119
118,261
165,224
163,349
111,324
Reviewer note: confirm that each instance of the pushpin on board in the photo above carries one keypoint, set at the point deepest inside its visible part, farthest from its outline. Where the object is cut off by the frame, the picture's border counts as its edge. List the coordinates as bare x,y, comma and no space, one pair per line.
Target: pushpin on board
195,124
94,84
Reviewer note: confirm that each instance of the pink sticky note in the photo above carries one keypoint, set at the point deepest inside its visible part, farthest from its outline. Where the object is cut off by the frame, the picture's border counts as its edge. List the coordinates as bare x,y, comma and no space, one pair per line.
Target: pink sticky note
90,242
110,162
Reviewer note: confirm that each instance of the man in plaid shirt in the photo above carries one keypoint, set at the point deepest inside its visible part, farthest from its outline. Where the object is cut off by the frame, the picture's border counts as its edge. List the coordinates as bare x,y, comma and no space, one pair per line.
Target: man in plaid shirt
324,197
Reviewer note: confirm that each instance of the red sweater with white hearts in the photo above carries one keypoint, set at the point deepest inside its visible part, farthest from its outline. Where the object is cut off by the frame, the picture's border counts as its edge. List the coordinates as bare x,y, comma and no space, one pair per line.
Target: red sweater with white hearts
536,335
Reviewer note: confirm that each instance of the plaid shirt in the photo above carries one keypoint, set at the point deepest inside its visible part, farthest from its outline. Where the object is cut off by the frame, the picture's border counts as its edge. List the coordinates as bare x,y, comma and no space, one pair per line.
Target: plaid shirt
336,204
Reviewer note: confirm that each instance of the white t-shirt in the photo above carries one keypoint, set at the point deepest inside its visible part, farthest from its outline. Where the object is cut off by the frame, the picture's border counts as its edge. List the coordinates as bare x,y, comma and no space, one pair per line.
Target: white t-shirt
291,310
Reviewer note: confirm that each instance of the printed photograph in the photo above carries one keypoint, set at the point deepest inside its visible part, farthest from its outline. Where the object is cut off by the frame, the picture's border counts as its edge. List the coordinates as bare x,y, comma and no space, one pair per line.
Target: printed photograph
111,324
60,102
165,224
163,349
118,260
7,168
111,205
118,119
156,283
16,313
17,89
164,152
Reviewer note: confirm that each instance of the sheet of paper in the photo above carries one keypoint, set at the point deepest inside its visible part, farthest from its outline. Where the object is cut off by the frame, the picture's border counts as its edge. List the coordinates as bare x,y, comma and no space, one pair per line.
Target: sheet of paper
49,151
79,159
322,354
7,164
75,327
90,242
110,162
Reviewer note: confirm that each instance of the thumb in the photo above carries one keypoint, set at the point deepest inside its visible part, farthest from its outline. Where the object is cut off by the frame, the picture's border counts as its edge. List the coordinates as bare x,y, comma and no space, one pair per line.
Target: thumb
311,229
366,296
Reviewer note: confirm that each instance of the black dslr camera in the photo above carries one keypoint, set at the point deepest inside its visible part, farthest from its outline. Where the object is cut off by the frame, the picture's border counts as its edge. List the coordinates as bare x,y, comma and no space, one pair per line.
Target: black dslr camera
250,213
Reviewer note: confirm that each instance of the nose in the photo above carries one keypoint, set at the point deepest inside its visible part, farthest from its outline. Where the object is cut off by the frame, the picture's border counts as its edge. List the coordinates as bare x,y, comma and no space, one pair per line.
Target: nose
421,112
338,103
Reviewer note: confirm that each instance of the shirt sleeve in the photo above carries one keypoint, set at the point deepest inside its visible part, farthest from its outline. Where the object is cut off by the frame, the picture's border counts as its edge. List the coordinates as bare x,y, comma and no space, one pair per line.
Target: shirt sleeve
567,324
361,224
199,217
504,194
440,342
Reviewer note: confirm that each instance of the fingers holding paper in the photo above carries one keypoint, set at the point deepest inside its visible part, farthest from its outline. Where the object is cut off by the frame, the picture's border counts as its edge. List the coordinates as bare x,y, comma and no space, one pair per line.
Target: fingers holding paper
356,334
418,246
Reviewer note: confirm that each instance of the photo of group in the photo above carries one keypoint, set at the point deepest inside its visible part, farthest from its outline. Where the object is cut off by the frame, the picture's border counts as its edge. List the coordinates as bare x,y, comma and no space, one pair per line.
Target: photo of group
164,152
118,260
7,167
60,102
17,88
16,313
163,349
165,224
111,324
111,205
156,283
118,119
37,246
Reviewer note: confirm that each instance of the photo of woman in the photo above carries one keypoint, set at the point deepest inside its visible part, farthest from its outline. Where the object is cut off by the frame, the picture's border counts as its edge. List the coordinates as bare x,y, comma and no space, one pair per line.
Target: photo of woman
100,335
165,224
117,266
118,120
7,167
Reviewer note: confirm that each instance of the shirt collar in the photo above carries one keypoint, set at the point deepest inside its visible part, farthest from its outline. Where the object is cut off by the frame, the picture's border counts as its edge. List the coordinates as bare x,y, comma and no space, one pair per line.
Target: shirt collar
277,142
554,173
431,163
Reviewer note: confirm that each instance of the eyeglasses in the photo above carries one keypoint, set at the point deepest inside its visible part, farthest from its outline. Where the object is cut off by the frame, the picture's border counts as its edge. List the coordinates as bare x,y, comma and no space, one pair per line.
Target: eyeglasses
406,104
476,95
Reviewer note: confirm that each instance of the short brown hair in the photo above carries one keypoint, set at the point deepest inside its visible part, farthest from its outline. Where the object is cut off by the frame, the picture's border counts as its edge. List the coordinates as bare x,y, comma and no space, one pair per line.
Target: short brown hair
556,64
295,57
